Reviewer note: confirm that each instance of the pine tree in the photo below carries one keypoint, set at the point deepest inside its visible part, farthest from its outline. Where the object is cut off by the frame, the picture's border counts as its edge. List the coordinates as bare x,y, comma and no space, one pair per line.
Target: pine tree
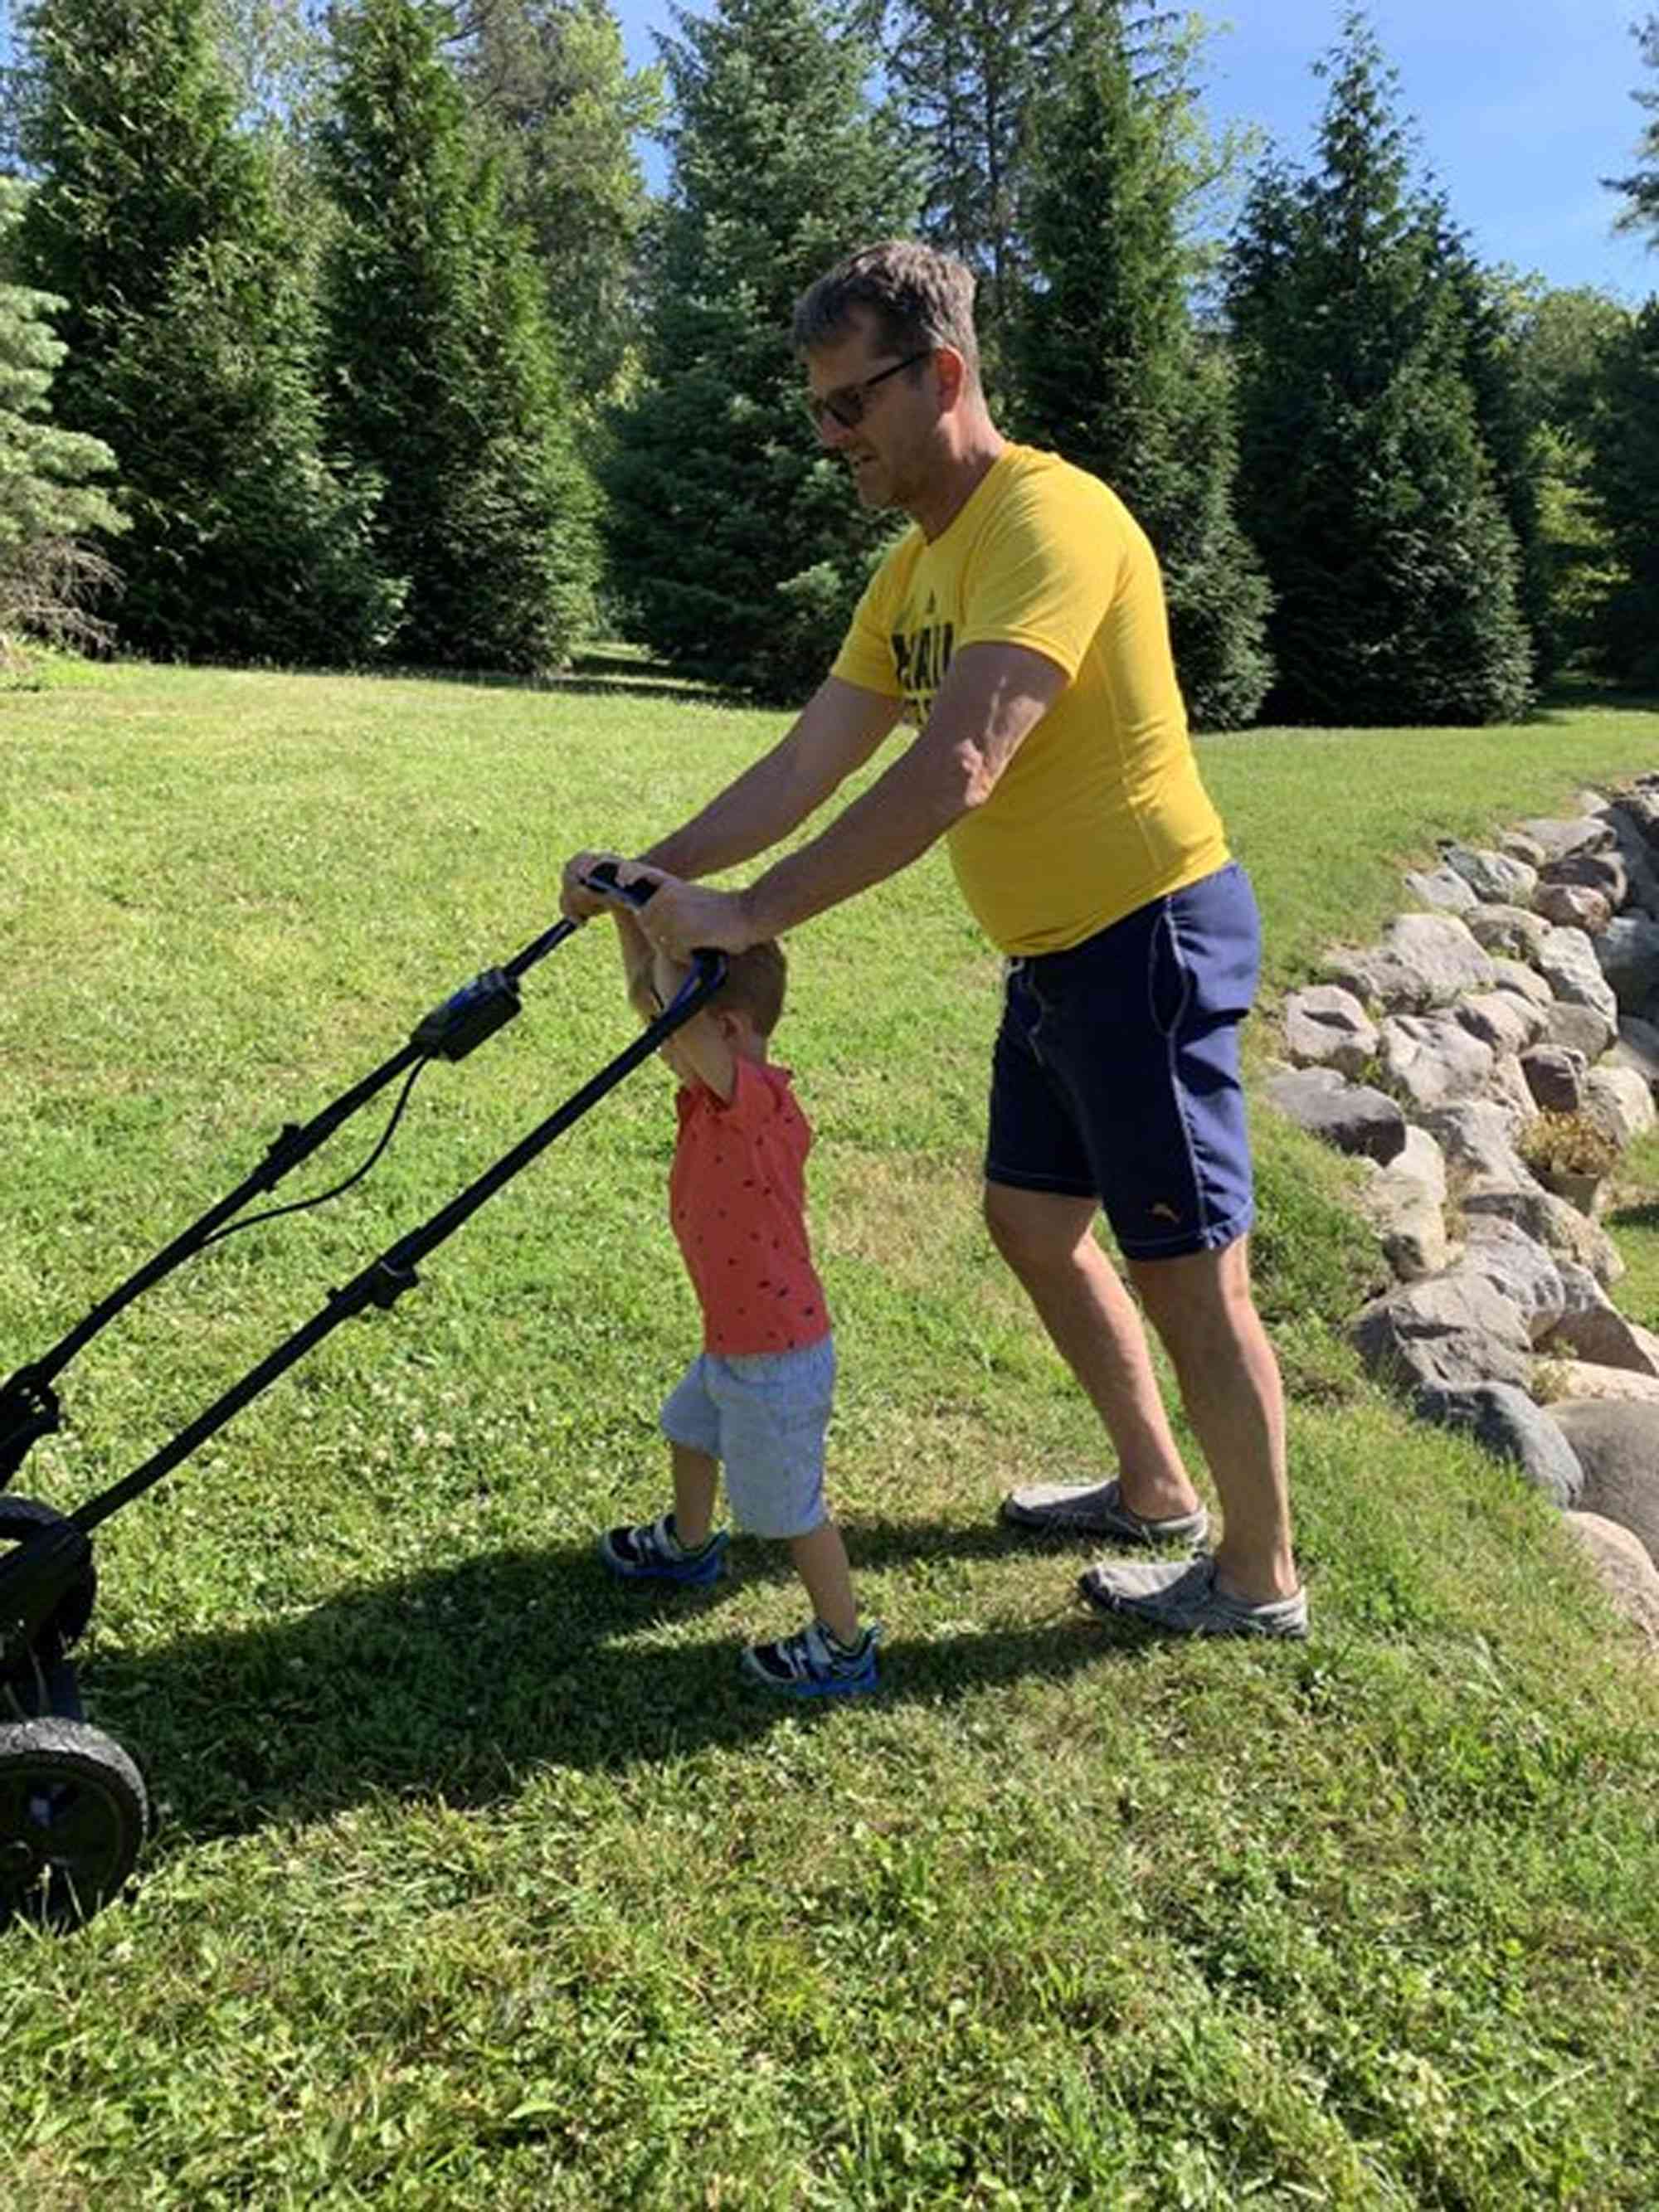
1115,376
444,376
737,545
1641,186
1625,475
962,75
1364,484
549,82
49,504
190,341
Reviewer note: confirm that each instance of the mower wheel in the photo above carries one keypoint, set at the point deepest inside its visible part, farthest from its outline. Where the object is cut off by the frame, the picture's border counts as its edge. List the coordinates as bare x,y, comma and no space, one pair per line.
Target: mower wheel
73,1812
19,1518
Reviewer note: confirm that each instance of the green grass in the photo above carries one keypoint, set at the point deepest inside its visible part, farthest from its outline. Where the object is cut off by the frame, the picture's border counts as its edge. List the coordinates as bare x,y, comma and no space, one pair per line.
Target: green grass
480,1882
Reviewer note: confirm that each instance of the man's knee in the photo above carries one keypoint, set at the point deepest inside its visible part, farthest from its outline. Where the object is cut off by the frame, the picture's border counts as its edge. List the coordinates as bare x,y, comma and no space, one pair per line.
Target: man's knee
1037,1232
1198,1301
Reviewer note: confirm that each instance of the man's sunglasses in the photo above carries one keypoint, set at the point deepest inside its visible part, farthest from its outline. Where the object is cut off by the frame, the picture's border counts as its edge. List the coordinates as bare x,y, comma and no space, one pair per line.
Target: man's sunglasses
847,406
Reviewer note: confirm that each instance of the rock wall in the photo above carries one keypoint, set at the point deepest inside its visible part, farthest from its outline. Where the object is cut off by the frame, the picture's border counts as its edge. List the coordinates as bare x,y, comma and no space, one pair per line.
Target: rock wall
1526,983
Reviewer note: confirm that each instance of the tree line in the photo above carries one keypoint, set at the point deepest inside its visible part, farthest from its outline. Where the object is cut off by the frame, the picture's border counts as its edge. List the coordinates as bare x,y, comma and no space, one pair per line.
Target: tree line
353,335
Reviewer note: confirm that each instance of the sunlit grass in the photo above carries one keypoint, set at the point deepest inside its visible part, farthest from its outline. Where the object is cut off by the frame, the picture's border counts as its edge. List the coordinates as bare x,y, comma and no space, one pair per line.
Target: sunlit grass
480,1882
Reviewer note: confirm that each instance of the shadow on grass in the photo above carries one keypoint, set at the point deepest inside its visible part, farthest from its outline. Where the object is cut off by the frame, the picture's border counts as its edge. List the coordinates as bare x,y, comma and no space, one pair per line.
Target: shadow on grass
458,1680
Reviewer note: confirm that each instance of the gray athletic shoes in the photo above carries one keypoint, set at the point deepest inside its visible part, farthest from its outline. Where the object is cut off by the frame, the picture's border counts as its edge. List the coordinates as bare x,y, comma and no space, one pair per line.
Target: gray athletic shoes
1097,1508
1182,1597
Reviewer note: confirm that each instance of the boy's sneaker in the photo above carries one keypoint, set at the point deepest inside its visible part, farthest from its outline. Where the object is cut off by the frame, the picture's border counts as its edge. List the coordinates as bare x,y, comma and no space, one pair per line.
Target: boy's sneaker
653,1552
812,1664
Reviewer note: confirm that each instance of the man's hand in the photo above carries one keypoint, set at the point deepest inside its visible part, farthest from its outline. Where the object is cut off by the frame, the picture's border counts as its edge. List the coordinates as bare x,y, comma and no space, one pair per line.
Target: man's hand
576,902
681,919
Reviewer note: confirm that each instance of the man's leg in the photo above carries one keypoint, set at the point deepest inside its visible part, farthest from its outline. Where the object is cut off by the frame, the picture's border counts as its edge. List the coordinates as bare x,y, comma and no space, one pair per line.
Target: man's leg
1048,1241
1201,1307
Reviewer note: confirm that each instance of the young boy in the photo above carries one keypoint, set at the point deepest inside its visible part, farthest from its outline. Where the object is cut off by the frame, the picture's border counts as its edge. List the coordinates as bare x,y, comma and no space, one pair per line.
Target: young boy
757,1398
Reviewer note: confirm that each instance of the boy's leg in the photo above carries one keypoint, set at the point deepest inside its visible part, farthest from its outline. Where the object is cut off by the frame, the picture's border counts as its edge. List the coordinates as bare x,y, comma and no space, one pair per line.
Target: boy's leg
820,1558
697,1481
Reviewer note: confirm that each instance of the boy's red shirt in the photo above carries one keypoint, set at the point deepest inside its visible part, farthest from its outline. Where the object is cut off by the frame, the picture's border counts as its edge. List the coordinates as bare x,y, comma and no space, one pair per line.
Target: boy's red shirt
737,1199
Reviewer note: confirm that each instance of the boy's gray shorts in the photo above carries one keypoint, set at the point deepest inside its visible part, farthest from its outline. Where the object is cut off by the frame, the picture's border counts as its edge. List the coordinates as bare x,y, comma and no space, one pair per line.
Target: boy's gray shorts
763,1415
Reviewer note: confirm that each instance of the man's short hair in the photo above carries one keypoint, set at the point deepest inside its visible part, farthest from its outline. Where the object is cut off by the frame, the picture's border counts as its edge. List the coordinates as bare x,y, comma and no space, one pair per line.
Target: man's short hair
917,296
754,985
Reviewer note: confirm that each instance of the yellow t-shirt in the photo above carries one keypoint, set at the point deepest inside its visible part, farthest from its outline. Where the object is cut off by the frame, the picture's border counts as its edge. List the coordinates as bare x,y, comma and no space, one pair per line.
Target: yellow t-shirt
1102,807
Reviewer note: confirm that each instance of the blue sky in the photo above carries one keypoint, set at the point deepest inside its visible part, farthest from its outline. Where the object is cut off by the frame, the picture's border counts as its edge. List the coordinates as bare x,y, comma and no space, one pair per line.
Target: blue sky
1523,106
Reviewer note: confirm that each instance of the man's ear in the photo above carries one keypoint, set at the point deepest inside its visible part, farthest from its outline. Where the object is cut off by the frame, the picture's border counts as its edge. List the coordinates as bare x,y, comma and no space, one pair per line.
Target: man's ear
951,370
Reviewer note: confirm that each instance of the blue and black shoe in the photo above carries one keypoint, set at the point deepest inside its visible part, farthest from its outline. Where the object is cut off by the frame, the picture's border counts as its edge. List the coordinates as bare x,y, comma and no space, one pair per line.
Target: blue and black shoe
812,1664
653,1552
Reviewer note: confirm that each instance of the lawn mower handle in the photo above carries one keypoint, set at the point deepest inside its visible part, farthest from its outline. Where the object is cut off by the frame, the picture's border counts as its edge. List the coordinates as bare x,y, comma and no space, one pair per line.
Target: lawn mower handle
29,1408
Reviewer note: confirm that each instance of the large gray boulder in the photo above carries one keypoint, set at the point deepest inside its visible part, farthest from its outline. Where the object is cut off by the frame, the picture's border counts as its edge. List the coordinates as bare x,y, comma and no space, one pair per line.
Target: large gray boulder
1582,833
1588,1325
1637,1048
1511,933
1423,961
1620,1100
1506,1422
1519,1268
1478,1138
1567,962
1586,1379
1555,1077
1617,1445
1622,1566
1326,1026
1405,1203
1628,950
1549,1219
1349,1116
1432,1059
1587,1030
1496,878
1503,1020
1525,981
1452,1332
1442,889
1594,871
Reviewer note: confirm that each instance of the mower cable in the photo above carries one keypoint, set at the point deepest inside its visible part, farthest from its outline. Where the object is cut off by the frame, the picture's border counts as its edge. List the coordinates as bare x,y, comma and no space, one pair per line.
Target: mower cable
322,1198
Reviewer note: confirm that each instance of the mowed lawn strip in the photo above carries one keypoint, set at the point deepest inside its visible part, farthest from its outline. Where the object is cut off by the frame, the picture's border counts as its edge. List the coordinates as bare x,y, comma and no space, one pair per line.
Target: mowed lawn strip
480,1882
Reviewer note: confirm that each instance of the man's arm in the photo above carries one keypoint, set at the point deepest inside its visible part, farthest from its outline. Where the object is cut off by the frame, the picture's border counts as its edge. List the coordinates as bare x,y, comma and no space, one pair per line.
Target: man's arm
990,700
836,731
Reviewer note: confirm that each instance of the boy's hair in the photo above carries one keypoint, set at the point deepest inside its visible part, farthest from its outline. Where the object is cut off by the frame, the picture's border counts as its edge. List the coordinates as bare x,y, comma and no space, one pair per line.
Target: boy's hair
754,985
918,296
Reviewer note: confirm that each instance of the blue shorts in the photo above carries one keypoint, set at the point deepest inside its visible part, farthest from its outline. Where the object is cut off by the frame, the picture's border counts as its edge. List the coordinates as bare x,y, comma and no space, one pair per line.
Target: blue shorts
763,1415
1116,1072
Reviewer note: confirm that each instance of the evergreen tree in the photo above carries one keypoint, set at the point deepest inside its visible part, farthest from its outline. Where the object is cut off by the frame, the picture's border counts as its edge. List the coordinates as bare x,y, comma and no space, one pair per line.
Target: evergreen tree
962,75
1641,187
1364,484
190,341
444,380
1113,373
1624,477
1493,315
737,545
48,503
562,110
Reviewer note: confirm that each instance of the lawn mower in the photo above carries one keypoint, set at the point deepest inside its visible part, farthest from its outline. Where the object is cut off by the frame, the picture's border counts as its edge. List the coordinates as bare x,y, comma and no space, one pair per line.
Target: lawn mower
74,1807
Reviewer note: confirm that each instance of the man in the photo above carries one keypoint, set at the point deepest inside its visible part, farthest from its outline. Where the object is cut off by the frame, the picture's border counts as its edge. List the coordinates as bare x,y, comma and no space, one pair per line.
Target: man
1021,626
